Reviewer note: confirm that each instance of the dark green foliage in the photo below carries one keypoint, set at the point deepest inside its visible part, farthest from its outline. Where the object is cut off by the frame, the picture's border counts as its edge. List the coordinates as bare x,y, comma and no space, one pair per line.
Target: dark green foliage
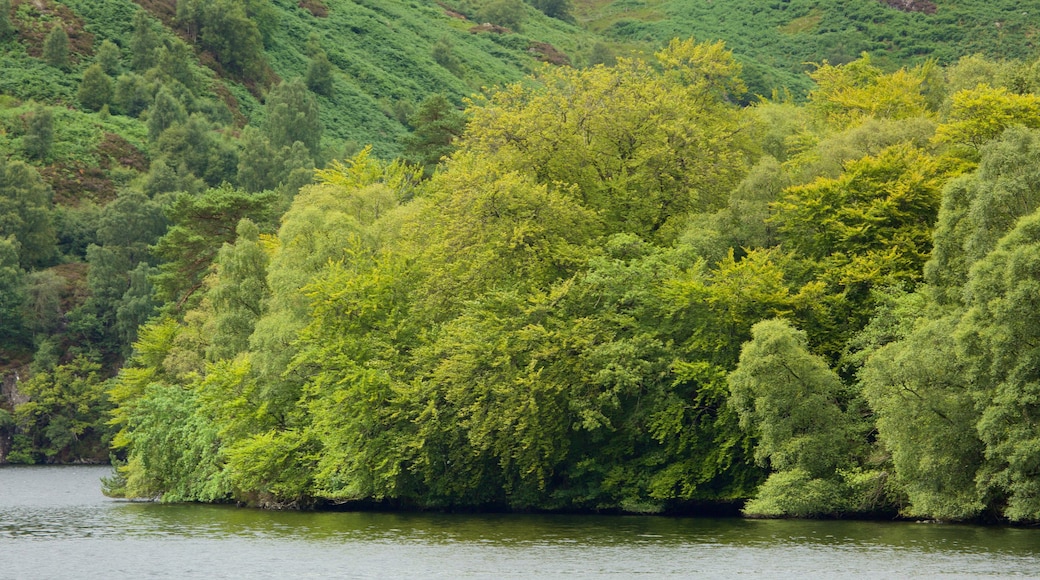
132,94
56,47
292,115
25,214
96,89
67,413
437,124
227,31
319,74
443,53
143,43
560,9
39,137
6,27
12,297
164,113
195,146
110,57
507,13
199,225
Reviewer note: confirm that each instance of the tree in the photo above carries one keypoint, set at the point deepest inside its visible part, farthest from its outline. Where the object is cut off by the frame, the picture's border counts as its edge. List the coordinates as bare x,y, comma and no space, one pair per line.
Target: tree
200,225
926,415
6,27
40,136
292,115
233,37
319,74
631,140
437,125
132,94
507,13
983,113
95,91
239,293
25,202
67,412
999,333
110,57
56,47
800,414
143,43
443,53
164,113
560,9
12,296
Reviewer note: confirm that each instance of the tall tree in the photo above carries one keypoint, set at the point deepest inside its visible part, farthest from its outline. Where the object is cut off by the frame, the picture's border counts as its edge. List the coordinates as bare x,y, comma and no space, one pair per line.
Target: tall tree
12,296
292,115
40,136
56,47
165,111
25,213
143,42
6,27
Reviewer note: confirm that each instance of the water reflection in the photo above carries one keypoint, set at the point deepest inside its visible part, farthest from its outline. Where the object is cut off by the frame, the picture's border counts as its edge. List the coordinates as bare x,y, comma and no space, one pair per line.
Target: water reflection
50,517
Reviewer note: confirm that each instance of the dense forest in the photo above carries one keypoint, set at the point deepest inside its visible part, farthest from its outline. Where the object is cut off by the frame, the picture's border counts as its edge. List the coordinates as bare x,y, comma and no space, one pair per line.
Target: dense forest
525,255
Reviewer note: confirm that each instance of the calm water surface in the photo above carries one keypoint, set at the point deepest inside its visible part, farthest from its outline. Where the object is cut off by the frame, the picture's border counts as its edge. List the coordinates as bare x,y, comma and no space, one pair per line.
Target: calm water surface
54,523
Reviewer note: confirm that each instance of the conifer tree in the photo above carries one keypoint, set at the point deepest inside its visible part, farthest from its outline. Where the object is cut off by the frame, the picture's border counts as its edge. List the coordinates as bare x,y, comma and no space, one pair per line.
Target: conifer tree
56,47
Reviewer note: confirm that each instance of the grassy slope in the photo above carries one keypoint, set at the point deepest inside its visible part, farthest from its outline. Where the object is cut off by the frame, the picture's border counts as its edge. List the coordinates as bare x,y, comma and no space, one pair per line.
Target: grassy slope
776,38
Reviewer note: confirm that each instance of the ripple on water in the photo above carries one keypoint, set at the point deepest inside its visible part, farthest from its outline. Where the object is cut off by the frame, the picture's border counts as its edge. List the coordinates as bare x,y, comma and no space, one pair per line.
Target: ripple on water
54,521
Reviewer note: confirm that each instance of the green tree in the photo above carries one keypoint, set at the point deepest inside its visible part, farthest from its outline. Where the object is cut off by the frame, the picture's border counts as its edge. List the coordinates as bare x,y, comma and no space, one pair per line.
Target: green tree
437,124
56,47
144,41
12,296
998,333
507,13
110,57
6,27
164,112
319,74
560,9
239,293
292,115
25,202
235,39
925,410
67,412
796,408
630,139
199,226
443,53
95,91
132,94
39,138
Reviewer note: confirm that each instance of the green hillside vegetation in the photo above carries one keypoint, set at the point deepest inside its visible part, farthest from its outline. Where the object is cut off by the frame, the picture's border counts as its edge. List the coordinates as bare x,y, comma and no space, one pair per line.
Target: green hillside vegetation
256,251
776,41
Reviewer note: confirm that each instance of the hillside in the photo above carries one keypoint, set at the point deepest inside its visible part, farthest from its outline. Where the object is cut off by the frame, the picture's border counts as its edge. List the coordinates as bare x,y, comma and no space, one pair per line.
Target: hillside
776,40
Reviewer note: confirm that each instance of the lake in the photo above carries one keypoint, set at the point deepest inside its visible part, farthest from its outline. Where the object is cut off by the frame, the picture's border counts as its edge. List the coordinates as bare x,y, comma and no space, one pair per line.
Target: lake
54,523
